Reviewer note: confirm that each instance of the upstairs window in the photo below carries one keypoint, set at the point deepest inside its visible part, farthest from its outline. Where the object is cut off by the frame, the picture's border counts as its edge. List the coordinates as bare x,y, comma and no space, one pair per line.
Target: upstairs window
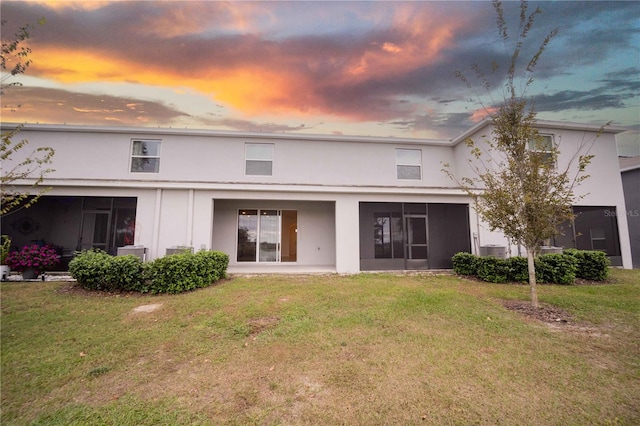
145,156
259,159
543,146
409,164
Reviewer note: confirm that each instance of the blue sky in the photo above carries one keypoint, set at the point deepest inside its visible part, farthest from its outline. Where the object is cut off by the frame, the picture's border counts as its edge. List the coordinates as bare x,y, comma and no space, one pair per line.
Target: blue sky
357,68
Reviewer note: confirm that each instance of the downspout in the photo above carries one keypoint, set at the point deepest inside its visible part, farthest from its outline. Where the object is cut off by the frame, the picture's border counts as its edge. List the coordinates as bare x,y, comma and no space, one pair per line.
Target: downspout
156,224
477,238
190,210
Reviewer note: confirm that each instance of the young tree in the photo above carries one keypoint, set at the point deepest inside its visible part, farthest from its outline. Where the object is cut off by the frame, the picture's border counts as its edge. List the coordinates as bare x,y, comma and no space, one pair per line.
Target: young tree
14,61
517,185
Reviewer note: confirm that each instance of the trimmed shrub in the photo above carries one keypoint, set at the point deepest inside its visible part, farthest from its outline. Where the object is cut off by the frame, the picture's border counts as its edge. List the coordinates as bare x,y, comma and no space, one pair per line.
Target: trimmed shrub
556,268
125,273
518,269
185,271
550,268
594,266
97,270
214,263
464,263
90,268
591,265
492,269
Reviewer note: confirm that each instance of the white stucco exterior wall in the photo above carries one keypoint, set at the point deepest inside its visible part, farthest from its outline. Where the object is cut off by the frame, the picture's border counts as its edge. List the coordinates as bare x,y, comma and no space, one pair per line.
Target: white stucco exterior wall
203,207
602,188
323,177
347,235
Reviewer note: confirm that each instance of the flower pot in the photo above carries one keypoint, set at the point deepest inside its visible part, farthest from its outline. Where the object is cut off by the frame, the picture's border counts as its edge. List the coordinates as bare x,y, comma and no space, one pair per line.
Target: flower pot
4,272
29,274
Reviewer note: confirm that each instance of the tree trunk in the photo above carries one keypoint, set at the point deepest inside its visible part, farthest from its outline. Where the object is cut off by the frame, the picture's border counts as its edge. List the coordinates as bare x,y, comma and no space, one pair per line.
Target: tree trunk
532,278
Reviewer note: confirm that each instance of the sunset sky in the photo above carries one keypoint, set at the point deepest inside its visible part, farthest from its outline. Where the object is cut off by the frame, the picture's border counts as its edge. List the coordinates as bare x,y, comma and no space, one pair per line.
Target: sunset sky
353,68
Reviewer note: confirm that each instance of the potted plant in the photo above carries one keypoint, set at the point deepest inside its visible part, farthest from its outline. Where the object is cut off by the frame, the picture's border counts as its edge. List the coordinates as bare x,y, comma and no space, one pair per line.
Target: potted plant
33,260
5,246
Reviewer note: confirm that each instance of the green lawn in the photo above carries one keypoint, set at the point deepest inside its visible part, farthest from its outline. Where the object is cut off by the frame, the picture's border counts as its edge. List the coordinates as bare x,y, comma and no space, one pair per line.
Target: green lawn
354,350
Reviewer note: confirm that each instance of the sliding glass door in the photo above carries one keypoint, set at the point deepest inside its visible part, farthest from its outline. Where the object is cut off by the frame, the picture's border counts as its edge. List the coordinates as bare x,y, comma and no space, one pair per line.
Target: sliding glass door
267,235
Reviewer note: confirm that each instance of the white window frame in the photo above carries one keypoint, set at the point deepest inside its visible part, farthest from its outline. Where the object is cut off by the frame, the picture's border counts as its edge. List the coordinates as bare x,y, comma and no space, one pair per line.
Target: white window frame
415,162
601,237
133,156
249,157
546,152
259,213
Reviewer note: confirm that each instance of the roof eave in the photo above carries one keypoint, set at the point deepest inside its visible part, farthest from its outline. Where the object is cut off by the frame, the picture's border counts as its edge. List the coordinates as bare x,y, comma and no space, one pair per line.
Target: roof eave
559,125
222,133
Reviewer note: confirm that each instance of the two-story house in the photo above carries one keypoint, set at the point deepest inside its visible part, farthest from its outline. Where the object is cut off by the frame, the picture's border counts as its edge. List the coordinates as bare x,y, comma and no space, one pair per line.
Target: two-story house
290,202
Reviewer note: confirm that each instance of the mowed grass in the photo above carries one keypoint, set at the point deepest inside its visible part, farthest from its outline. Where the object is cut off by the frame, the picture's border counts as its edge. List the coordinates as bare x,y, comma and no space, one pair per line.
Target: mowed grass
347,350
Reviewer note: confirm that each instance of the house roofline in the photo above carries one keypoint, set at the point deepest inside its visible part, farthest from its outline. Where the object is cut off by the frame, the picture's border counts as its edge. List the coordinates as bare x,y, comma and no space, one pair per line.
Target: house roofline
220,133
561,125
241,187
634,164
299,136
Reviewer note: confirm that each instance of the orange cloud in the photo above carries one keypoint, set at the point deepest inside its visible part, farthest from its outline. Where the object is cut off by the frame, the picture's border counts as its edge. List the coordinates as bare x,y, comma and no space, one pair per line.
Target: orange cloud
61,106
76,5
422,37
482,113
193,17
251,90
176,18
74,66
93,110
391,48
258,76
255,91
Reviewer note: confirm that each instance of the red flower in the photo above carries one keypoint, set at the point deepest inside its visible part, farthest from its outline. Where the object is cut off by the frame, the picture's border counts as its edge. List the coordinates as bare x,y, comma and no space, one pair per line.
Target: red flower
42,258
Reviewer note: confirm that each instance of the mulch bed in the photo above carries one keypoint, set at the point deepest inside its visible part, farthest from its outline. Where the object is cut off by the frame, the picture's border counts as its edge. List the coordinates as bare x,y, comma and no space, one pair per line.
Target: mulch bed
544,313
77,290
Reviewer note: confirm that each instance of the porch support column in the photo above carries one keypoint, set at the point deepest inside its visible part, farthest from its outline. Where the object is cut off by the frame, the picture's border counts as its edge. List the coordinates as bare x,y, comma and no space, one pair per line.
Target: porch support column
202,214
347,235
156,225
190,219
624,238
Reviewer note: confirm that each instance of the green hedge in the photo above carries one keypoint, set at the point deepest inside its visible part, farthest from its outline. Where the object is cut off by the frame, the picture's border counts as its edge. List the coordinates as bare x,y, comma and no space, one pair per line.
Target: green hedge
492,269
90,268
518,269
556,268
465,263
550,268
97,270
591,265
185,271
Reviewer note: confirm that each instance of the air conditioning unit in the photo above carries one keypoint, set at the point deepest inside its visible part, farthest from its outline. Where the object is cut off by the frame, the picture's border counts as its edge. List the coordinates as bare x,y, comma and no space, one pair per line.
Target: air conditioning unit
138,251
494,250
179,249
550,250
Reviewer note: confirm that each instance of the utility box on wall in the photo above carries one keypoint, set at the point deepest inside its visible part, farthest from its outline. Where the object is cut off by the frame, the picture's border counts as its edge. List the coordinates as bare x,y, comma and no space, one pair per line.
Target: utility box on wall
494,250
178,250
550,250
138,251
